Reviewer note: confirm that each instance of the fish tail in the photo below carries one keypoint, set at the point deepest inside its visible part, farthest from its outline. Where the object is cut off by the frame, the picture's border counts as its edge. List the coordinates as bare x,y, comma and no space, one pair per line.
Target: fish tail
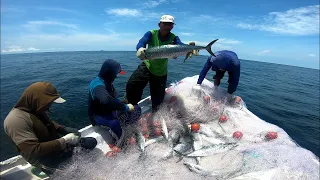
208,47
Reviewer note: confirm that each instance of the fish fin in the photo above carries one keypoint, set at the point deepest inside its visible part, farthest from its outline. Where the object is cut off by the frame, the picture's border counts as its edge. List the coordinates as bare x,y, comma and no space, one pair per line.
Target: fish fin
208,47
189,53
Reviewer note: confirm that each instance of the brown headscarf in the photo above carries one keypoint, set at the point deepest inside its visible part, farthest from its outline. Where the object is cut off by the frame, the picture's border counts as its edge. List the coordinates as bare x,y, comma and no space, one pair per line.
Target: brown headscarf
36,97
35,100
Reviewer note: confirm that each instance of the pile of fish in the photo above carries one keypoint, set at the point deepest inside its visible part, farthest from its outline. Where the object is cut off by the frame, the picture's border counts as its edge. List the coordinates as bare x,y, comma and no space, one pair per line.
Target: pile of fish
217,138
197,134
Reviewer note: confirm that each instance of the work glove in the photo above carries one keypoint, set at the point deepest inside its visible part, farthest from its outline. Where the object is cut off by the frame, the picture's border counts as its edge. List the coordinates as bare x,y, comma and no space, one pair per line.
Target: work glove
192,44
129,107
141,53
197,87
66,130
71,139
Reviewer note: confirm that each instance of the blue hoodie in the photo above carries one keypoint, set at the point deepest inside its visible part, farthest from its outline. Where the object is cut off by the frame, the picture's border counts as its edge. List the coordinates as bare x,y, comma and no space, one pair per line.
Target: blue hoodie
224,60
102,95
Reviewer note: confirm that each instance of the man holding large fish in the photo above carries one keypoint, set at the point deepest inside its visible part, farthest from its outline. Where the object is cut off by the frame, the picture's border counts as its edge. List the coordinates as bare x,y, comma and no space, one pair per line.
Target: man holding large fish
153,70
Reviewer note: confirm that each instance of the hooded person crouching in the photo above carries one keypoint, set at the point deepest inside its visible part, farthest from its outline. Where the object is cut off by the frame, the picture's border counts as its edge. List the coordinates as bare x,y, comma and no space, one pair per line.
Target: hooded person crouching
40,141
104,105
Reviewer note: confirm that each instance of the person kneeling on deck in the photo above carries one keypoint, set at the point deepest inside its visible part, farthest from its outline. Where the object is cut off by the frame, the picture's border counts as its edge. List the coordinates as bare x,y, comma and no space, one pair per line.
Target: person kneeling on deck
42,142
104,106
224,61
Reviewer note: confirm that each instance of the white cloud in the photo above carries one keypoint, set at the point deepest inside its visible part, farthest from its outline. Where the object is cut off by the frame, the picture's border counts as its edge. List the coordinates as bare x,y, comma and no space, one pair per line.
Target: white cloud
59,9
16,49
202,18
80,41
124,12
13,49
33,24
219,45
312,55
186,34
152,4
229,41
300,21
264,52
33,49
11,10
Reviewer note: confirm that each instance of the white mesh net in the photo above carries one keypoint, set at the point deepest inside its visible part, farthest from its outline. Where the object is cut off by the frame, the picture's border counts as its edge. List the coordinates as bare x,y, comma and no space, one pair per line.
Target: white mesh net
232,143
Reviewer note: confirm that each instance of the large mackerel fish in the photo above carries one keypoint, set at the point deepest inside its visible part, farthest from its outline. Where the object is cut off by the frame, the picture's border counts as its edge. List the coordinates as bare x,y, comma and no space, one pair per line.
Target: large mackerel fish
170,51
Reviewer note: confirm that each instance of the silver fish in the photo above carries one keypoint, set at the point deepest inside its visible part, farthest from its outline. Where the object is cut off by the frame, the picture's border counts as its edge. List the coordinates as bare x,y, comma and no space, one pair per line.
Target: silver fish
164,128
152,141
199,169
210,150
170,51
140,141
183,149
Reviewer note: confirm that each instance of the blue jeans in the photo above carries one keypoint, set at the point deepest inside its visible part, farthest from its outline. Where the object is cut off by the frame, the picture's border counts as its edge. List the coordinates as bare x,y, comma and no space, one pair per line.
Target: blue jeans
111,121
117,119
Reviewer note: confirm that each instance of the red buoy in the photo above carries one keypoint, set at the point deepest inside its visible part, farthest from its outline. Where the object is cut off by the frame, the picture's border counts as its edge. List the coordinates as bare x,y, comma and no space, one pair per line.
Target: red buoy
146,136
111,154
111,145
237,135
148,115
238,99
215,109
172,99
132,140
145,129
195,127
271,135
223,118
168,90
156,123
158,132
207,99
115,149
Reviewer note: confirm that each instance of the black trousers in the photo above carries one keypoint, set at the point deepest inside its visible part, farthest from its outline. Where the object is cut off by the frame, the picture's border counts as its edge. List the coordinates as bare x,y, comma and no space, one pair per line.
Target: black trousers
219,75
138,81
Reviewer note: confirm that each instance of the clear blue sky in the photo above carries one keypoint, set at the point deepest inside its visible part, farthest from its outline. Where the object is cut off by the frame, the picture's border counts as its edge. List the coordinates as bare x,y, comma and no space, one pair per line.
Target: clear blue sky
279,31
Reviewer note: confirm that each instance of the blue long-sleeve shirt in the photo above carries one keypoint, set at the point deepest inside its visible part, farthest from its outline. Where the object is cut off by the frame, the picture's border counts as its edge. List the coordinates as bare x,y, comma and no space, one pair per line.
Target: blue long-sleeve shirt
226,61
147,37
102,100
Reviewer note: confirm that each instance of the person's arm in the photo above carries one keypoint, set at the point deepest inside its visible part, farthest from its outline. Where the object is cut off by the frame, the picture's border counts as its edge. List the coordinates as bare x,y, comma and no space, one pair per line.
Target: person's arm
57,125
21,133
61,129
144,40
204,70
100,93
232,87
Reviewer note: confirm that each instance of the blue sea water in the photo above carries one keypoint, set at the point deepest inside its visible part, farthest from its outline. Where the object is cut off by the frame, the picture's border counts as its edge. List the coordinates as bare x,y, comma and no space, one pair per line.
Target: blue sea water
286,96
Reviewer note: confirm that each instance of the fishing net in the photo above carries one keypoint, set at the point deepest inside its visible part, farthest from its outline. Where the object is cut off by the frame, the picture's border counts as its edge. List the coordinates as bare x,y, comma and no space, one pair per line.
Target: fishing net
230,143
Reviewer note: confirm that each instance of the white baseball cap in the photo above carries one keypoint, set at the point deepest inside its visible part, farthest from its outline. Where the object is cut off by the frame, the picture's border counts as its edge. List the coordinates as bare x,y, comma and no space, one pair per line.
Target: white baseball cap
167,18
59,100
